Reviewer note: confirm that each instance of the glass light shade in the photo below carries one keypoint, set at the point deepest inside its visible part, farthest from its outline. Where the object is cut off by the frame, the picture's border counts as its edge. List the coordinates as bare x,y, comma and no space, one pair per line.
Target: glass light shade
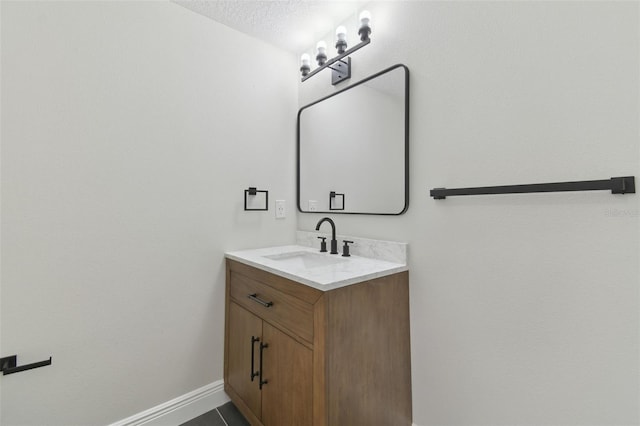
341,33
305,59
321,46
365,18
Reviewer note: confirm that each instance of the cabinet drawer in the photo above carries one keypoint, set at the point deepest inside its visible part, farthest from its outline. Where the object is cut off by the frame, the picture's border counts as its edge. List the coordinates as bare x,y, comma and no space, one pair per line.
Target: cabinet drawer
284,310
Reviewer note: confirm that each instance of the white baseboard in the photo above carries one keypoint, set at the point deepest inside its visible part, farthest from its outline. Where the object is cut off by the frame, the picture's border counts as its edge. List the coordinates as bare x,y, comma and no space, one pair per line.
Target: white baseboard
180,409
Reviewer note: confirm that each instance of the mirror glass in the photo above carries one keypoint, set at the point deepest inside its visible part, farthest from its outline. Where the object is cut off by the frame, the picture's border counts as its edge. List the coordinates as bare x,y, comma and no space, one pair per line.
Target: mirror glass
353,148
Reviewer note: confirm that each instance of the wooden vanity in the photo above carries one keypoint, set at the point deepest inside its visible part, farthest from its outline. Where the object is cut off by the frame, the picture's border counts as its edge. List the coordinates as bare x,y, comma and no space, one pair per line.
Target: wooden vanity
299,356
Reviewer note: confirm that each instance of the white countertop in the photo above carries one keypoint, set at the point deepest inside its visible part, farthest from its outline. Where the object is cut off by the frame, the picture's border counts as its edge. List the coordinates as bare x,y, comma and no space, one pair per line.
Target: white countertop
308,266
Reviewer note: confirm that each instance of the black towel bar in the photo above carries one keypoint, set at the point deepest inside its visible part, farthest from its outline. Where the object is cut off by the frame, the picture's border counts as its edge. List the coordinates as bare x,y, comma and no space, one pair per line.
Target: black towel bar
617,185
8,365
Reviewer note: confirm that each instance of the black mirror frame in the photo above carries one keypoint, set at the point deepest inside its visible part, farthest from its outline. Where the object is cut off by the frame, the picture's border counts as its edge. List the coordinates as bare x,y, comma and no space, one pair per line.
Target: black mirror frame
406,143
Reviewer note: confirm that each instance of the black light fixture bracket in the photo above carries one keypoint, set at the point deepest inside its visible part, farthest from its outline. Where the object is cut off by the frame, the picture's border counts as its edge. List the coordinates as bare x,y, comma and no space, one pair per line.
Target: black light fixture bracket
343,63
341,71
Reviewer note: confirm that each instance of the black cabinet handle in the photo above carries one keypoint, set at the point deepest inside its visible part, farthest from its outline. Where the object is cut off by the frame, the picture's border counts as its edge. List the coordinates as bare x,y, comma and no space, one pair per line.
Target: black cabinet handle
255,298
262,347
253,373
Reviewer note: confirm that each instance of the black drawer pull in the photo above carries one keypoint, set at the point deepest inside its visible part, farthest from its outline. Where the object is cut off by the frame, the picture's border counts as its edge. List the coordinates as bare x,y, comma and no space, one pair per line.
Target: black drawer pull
264,303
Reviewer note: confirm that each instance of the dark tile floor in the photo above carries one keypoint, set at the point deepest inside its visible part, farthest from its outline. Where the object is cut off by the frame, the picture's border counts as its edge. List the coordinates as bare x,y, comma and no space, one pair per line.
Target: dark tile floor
225,415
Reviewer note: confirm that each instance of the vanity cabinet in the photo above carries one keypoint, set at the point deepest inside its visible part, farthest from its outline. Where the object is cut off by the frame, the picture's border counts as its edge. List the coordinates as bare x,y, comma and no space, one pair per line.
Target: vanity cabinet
299,356
254,364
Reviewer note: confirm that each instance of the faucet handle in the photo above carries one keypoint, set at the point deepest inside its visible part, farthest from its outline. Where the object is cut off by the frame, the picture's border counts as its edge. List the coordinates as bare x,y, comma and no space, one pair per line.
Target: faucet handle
345,248
323,244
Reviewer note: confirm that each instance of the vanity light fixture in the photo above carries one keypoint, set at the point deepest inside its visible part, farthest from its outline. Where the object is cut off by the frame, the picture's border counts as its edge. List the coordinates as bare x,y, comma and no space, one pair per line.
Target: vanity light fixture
341,64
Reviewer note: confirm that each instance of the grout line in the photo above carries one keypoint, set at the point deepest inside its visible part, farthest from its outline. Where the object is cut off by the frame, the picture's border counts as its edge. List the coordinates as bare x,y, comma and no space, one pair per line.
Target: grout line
222,417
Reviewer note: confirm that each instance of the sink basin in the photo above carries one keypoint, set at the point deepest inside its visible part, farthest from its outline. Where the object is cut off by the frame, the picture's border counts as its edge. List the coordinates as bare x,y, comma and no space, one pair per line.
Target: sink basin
306,259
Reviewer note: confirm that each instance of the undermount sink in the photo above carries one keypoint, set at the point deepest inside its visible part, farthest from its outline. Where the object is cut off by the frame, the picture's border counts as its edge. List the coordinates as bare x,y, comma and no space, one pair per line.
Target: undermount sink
306,259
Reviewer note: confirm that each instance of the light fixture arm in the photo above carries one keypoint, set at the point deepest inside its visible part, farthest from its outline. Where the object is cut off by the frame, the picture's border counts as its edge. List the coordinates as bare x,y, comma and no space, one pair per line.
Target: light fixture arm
336,59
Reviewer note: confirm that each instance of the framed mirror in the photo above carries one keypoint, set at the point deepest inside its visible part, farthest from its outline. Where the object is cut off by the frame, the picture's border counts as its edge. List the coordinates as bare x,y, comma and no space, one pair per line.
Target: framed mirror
353,148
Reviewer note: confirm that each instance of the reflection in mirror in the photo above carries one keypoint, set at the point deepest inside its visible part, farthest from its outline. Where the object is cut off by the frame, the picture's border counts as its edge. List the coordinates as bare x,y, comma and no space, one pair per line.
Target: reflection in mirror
353,148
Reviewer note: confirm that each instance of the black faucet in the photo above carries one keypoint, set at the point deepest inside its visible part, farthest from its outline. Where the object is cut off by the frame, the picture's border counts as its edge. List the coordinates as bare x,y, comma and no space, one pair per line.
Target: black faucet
334,242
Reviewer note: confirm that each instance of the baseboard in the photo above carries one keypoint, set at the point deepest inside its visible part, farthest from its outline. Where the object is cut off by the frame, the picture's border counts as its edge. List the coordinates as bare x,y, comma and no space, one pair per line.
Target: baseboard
180,409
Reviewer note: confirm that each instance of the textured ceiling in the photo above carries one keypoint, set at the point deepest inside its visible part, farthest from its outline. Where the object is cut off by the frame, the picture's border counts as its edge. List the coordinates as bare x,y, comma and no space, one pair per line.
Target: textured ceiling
291,25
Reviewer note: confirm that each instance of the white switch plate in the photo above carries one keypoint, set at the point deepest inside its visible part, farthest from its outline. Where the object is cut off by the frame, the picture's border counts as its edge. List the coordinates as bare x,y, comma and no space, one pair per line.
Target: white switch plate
313,205
280,210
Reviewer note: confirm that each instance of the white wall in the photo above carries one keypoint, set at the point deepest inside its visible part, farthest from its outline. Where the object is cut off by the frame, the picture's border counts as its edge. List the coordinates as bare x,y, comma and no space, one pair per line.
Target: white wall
129,132
524,308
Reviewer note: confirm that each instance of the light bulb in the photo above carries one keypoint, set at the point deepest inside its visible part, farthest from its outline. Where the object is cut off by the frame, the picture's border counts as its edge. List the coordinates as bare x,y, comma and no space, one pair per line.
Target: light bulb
365,18
341,43
321,57
305,59
365,29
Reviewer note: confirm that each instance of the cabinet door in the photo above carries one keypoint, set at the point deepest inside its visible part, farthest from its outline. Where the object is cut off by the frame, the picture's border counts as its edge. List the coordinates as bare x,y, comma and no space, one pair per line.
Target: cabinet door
287,397
245,327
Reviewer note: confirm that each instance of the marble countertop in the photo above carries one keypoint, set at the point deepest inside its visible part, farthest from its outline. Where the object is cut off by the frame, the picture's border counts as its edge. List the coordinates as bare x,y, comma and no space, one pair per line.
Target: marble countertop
308,266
